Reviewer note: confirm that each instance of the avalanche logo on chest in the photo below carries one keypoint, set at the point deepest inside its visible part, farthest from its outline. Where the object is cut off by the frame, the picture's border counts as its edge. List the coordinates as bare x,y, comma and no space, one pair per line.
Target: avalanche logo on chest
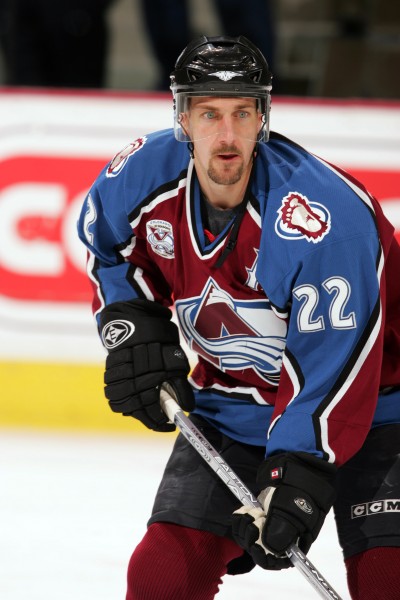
300,218
234,334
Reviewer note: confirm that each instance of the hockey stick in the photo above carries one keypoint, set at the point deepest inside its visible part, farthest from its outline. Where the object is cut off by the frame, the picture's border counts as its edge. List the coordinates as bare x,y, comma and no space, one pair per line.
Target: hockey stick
237,487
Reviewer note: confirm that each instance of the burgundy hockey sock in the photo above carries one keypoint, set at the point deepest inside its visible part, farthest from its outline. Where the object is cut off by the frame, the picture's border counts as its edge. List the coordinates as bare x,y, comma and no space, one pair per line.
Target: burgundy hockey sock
178,563
374,574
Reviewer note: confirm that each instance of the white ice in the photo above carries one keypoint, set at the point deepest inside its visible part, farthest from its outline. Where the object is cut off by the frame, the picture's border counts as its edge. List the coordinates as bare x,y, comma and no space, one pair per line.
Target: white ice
73,507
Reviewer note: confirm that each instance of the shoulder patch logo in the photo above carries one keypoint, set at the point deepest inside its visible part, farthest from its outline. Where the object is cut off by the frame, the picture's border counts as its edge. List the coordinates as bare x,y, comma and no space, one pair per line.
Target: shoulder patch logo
300,218
119,161
89,218
226,75
160,237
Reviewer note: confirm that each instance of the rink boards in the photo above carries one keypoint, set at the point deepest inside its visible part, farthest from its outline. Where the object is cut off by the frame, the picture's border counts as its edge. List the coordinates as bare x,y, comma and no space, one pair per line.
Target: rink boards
52,146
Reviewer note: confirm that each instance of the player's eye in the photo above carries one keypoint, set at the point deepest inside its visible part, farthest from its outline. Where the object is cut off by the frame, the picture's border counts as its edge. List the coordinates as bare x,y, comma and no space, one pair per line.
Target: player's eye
243,114
210,114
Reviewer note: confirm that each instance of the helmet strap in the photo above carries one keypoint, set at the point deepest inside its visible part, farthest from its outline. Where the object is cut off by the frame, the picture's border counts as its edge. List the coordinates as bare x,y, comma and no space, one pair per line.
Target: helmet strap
190,146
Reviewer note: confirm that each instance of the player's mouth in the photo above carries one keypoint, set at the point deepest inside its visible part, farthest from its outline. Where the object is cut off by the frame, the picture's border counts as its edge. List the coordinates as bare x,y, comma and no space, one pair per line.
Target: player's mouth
227,152
227,157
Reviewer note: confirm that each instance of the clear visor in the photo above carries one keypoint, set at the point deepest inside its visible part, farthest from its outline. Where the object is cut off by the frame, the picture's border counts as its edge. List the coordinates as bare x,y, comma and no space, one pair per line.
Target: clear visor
199,117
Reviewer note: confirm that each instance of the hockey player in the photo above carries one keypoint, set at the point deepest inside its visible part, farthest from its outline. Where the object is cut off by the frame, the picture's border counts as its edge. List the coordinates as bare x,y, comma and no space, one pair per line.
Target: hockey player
284,274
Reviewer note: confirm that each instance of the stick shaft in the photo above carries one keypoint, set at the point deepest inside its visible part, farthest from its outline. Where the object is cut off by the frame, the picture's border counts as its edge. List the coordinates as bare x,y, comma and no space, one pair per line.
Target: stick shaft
238,488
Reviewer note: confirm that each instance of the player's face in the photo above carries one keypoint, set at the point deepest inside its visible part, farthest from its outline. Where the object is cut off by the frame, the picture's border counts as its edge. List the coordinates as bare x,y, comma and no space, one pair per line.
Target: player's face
224,132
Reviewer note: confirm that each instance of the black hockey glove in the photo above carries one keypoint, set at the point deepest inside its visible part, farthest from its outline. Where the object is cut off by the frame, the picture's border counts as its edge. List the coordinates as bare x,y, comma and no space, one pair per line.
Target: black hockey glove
144,352
297,494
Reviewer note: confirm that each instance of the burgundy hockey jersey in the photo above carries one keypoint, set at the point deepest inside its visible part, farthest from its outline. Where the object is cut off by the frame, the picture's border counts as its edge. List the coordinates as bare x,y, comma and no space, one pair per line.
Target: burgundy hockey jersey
298,332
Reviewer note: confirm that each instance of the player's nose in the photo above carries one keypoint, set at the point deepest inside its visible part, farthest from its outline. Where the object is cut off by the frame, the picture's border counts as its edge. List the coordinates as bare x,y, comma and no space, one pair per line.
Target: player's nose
227,131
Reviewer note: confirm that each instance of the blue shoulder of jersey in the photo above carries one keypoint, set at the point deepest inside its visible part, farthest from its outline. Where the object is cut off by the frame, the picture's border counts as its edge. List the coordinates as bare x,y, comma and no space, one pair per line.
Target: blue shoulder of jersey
140,168
306,205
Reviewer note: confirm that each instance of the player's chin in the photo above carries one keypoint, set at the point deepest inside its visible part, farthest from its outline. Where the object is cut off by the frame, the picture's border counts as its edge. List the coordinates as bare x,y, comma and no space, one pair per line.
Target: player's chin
226,173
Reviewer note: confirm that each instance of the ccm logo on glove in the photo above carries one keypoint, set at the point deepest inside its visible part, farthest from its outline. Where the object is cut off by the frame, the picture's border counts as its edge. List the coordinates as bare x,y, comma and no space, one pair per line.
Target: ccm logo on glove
116,332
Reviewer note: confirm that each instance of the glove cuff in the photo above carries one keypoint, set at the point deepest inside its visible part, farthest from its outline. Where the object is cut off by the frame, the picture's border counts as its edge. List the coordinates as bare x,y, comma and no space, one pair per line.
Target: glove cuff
126,324
302,471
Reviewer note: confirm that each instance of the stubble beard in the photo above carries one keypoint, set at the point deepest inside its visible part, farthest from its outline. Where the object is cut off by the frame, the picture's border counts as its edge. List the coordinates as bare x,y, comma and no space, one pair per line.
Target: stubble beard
225,174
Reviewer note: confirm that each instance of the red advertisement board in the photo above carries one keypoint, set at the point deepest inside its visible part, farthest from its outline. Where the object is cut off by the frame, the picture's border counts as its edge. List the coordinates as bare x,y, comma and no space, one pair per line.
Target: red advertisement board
41,258
40,255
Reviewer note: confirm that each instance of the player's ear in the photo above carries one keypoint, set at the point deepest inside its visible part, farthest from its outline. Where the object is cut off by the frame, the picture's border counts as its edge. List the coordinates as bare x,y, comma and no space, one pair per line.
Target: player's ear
184,121
260,121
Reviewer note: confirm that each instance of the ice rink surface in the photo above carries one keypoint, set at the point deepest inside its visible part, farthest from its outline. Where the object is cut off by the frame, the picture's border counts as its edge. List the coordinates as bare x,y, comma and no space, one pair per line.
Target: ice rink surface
73,507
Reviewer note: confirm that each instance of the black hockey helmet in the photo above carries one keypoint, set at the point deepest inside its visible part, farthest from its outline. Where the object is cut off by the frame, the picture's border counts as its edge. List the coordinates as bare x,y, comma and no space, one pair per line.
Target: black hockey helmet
224,67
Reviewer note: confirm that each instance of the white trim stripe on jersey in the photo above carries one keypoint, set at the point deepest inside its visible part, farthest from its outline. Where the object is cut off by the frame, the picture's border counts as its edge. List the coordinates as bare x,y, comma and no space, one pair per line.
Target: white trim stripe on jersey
356,189
352,375
90,269
191,220
254,214
245,391
127,251
138,277
365,197
296,388
161,198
